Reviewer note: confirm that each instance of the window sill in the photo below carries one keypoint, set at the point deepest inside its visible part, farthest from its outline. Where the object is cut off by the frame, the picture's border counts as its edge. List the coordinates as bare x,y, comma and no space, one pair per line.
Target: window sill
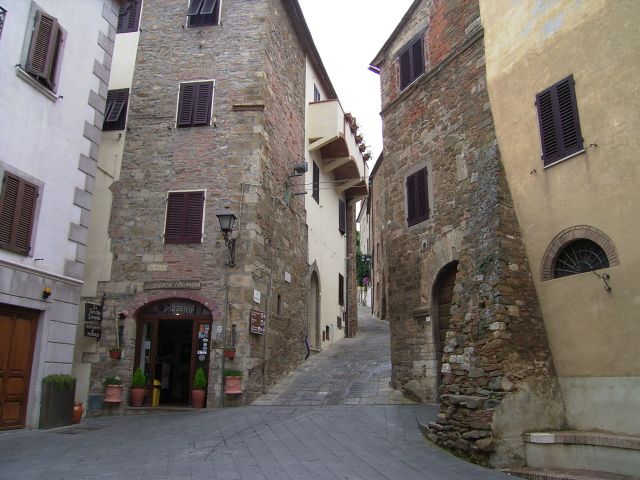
21,73
564,158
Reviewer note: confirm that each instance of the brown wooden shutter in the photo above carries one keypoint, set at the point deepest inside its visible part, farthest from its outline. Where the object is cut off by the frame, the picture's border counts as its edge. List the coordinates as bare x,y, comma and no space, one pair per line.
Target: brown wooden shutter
129,17
43,50
405,69
185,105
342,216
17,211
202,110
184,217
194,7
116,109
417,59
559,123
417,197
316,183
340,289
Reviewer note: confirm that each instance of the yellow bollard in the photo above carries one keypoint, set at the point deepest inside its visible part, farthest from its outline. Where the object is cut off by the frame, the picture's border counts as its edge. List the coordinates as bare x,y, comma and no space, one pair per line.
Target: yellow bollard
155,399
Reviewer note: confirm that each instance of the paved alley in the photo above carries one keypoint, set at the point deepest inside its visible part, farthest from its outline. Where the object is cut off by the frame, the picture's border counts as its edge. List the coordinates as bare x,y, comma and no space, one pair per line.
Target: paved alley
336,418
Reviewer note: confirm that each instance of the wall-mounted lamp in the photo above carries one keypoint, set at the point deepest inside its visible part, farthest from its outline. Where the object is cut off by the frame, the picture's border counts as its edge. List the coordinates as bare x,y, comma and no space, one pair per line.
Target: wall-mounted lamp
227,221
46,293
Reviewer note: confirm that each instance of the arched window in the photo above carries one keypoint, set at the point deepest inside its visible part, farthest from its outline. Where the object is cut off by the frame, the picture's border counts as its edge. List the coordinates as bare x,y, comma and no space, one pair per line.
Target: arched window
578,257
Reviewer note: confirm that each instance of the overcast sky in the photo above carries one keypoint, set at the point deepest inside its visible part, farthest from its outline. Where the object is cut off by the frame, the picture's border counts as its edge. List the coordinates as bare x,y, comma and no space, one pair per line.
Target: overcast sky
348,34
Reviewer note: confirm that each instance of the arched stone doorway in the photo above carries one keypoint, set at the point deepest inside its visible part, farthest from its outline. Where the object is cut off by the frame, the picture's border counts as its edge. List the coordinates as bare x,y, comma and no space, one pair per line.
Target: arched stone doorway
314,312
441,312
173,340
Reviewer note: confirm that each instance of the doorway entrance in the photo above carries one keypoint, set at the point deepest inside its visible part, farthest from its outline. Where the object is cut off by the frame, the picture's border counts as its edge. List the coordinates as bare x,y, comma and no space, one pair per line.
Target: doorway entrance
17,338
442,296
313,322
173,340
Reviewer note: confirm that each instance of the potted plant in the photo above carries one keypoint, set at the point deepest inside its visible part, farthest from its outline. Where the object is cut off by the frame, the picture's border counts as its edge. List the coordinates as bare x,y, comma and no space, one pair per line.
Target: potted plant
232,381
199,385
138,388
229,352
112,389
56,407
115,352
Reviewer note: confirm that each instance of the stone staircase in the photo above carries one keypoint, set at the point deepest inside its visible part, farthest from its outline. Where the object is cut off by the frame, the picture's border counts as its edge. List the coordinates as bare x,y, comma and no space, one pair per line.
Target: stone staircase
580,455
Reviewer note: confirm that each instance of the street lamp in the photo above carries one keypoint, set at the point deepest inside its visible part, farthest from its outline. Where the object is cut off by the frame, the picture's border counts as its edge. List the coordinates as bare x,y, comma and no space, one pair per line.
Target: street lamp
227,221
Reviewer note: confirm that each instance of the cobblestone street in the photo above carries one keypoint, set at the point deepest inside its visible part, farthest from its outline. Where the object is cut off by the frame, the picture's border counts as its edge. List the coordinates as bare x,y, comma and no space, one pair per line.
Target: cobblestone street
336,418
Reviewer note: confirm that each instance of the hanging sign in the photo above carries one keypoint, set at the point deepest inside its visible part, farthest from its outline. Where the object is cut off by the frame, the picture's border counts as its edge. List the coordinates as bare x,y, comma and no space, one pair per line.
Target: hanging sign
257,322
92,330
92,313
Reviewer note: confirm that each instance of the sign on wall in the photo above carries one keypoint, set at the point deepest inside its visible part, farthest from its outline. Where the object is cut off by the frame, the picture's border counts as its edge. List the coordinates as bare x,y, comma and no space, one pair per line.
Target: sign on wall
92,319
258,320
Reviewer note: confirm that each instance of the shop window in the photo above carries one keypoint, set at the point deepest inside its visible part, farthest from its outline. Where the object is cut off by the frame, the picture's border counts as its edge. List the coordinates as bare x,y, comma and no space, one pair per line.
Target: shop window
560,133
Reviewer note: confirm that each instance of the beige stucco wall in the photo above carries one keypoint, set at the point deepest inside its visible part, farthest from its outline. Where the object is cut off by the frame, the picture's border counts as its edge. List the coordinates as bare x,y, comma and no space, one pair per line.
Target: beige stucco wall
594,336
327,246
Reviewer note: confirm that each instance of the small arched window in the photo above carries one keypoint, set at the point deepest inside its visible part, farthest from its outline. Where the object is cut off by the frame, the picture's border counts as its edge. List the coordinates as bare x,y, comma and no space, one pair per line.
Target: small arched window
578,257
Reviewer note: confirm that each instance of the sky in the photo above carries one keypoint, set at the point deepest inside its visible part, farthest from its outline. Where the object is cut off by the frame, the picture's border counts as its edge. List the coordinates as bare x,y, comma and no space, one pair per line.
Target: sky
348,34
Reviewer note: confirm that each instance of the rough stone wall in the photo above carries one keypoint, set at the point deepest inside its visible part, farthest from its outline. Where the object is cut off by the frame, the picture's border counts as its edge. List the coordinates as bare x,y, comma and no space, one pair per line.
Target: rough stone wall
496,352
379,302
352,274
240,160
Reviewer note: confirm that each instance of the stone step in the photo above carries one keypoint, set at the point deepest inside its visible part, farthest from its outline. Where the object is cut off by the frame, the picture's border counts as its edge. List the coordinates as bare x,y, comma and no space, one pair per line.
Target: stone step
564,474
608,452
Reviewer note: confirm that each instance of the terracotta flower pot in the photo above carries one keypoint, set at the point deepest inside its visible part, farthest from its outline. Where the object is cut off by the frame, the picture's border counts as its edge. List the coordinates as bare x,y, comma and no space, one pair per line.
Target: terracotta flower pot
113,394
78,410
137,396
117,354
232,385
197,398
230,354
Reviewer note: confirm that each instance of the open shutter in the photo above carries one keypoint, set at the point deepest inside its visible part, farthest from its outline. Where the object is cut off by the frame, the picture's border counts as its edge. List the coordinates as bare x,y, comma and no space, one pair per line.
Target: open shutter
559,123
17,211
194,203
208,7
340,289
185,105
129,17
405,69
115,114
342,216
417,59
175,215
194,7
202,111
43,48
411,199
316,183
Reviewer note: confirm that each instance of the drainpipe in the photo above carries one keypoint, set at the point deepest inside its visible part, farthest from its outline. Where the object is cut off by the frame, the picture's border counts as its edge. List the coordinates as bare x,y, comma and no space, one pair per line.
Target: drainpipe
224,328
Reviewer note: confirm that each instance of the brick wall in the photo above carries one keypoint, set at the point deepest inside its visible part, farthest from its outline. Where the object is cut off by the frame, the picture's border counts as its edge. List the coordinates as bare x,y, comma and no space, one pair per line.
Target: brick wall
496,345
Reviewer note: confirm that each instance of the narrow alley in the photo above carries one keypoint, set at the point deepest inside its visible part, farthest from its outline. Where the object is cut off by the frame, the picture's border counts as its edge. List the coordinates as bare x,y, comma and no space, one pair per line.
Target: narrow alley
335,418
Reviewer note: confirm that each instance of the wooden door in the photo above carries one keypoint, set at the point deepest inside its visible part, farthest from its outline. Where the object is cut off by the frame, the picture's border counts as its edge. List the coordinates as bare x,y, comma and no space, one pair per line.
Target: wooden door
17,339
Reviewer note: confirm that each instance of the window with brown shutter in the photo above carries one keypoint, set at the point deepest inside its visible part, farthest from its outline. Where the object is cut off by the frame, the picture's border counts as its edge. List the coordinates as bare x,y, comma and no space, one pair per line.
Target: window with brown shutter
203,12
194,105
342,216
44,50
417,197
17,210
340,290
115,114
316,183
184,217
411,62
129,16
559,123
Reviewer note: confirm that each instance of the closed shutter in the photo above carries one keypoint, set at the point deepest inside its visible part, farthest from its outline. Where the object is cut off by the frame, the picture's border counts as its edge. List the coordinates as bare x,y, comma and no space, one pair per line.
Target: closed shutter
116,111
417,60
43,50
129,17
184,217
417,197
194,106
405,69
316,183
17,210
340,289
560,133
342,216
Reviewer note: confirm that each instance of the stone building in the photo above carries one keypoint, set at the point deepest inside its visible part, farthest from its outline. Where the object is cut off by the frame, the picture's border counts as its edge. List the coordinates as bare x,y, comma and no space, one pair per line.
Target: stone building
375,204
575,192
212,111
466,329
54,68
